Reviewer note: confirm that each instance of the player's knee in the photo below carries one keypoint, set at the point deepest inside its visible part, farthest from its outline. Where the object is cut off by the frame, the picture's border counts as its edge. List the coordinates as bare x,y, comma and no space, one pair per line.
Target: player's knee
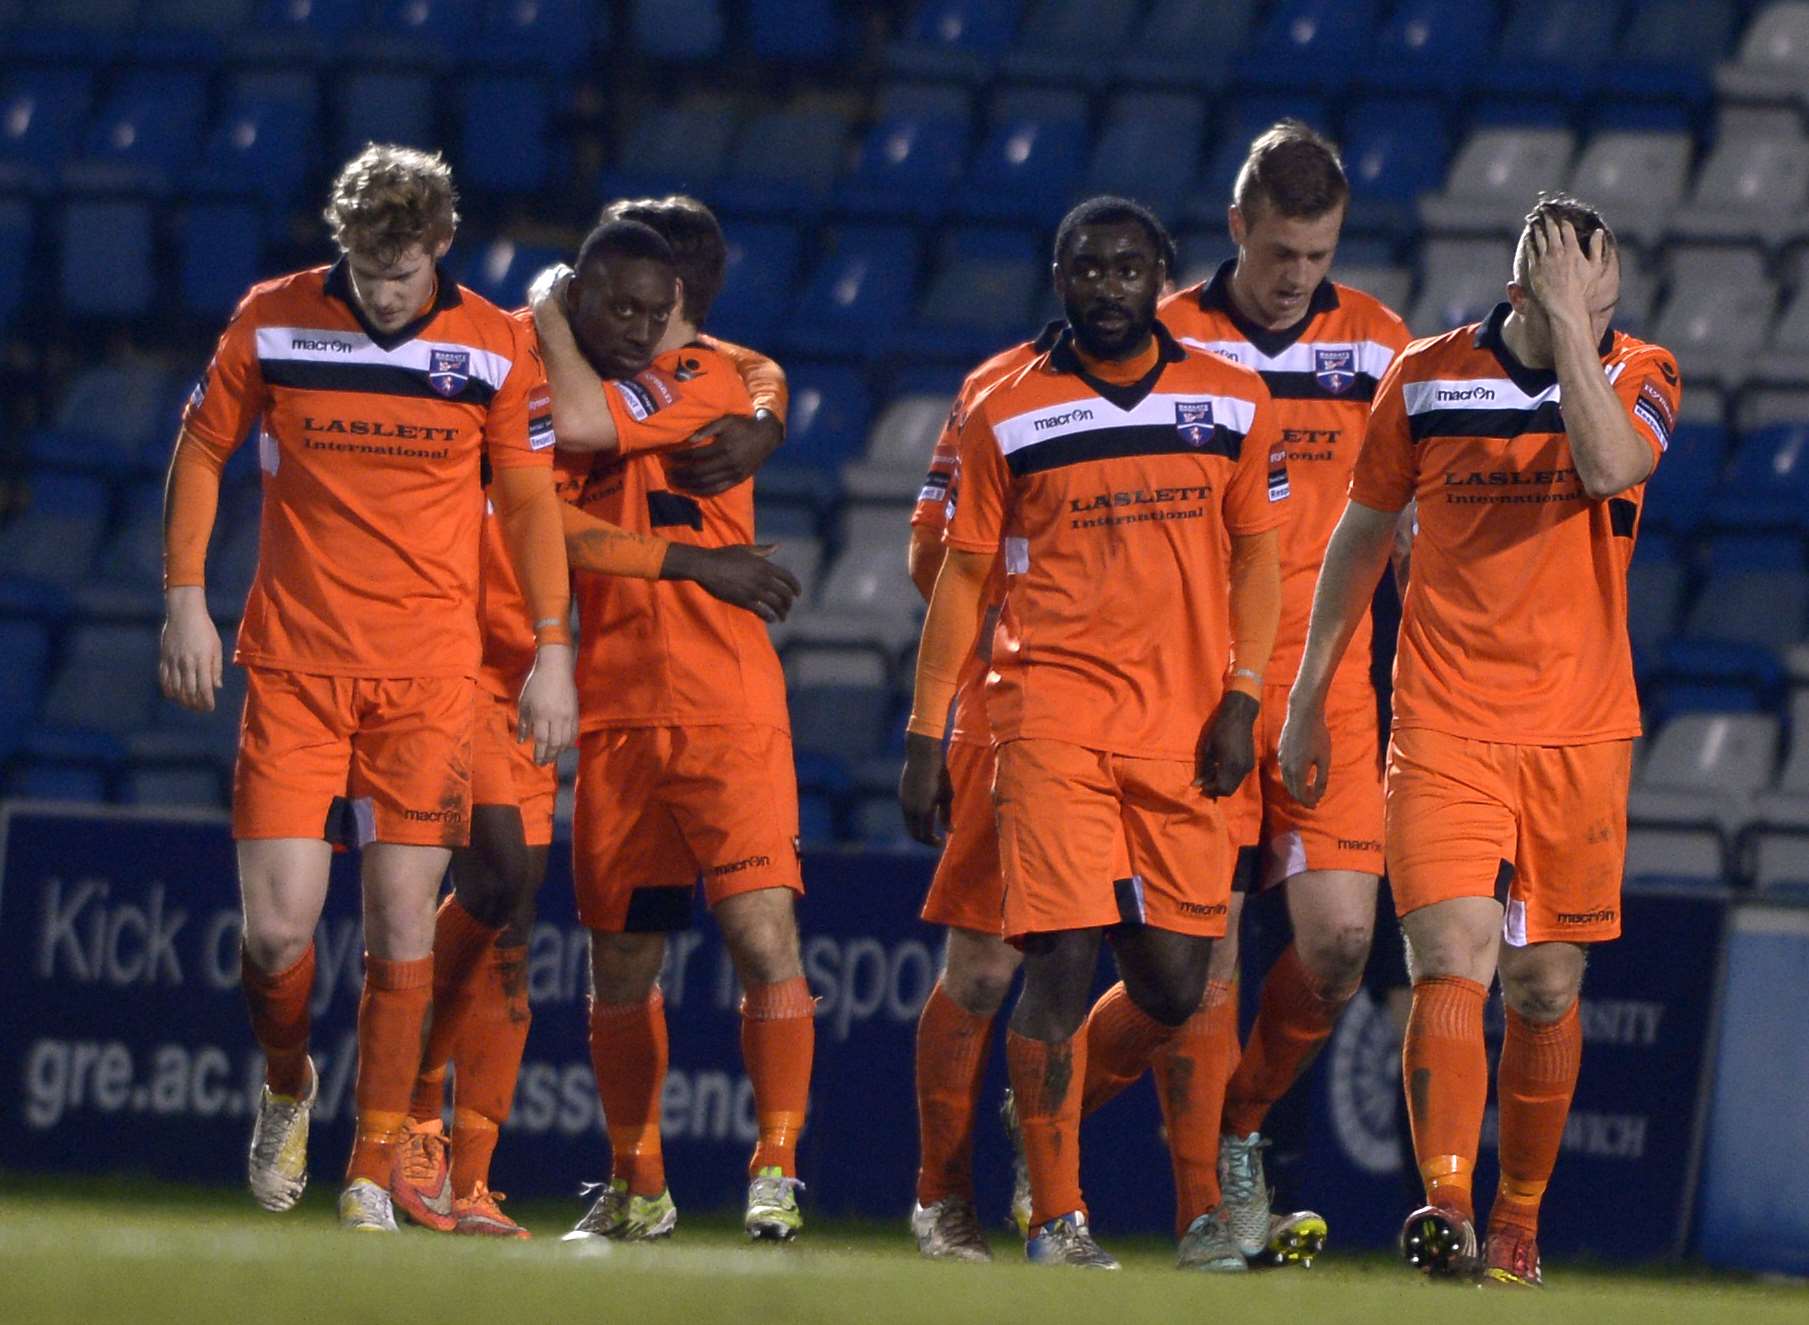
624,967
1335,961
1449,953
1541,997
979,986
1173,1001
274,947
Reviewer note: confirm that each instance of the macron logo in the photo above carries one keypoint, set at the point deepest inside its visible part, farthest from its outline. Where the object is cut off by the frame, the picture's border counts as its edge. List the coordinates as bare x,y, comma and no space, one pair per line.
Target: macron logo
320,344
1465,393
1082,415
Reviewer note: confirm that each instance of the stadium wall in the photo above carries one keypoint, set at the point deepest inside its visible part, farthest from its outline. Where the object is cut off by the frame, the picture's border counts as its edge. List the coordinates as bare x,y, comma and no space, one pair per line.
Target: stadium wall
126,1050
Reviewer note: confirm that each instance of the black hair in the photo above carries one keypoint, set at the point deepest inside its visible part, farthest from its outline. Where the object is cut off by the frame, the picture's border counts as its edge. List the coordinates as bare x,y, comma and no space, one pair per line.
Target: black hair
1110,210
699,250
629,239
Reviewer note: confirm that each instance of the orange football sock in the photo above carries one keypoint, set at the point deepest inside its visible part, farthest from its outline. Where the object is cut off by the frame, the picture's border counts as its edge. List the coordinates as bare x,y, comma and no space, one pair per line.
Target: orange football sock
628,1051
488,1054
390,1017
778,1042
1121,1040
1190,1085
1043,1079
1446,1071
952,1044
1293,1022
459,943
280,1021
1535,1080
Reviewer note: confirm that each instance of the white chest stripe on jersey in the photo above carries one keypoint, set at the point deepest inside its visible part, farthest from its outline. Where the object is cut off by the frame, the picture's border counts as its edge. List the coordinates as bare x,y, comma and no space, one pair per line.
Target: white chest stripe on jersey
1370,356
313,345
1484,393
1094,414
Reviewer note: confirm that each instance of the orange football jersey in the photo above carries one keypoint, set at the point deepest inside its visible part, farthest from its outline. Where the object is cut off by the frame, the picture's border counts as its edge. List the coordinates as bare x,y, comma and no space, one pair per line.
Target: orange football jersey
1514,627
371,447
1322,375
1111,507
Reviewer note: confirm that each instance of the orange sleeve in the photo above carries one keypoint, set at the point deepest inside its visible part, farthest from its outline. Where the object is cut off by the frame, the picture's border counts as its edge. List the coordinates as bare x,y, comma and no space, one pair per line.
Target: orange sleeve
924,559
528,510
1255,608
518,429
1386,475
1652,392
977,524
765,381
1257,497
938,491
657,410
219,415
608,549
949,632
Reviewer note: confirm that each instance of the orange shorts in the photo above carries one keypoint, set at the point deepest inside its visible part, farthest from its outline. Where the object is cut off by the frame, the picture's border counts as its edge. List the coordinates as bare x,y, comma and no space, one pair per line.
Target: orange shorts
352,759
503,771
1540,828
1088,840
1343,831
659,806
968,891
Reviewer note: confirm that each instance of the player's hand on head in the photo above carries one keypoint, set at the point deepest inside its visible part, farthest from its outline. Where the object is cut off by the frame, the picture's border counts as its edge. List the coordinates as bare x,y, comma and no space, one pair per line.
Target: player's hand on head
743,576
548,287
1227,747
548,709
728,452
1563,270
924,790
1305,754
190,659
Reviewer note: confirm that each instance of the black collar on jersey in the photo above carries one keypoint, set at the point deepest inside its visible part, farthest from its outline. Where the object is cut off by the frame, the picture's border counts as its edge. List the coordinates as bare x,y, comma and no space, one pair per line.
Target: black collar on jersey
1046,338
1216,294
445,295
1064,358
1530,380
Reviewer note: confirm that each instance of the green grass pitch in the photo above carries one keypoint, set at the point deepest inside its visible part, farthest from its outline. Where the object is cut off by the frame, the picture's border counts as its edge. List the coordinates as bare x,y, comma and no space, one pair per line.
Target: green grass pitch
141,1252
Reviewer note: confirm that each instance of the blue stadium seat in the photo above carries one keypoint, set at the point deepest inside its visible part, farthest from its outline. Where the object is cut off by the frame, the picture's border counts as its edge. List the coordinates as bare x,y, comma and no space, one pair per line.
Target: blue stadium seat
955,39
1756,592
24,655
1186,42
1244,118
846,722
382,107
828,420
1394,150
309,26
981,295
107,684
1669,48
859,292
186,786
687,31
1431,46
91,16
42,112
1149,148
796,30
128,574
259,149
1767,482
1678,494
107,259
1070,41
1311,45
216,18
678,148
1552,50
910,158
58,782
784,163
757,287
557,34
505,123
55,539
501,269
413,28
144,132
1030,161
222,253
1655,584
816,819
16,229
1706,676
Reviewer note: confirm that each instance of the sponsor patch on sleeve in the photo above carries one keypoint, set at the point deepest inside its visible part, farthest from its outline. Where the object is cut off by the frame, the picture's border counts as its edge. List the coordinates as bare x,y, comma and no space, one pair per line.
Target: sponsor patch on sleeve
540,432
936,485
1652,407
1278,475
197,395
659,387
636,398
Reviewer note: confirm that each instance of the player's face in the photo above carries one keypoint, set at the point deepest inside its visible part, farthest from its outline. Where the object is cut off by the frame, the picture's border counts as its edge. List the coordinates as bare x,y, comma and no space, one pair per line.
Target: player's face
619,308
1280,262
392,294
1108,281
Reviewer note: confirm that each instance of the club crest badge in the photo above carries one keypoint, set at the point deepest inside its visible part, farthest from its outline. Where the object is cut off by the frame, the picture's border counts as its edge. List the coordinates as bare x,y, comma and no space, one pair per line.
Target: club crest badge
1335,369
448,371
1193,420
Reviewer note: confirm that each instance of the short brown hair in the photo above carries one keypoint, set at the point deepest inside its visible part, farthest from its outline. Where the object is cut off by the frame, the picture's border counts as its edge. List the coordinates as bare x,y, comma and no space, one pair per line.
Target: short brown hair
1292,169
699,250
1584,218
389,198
